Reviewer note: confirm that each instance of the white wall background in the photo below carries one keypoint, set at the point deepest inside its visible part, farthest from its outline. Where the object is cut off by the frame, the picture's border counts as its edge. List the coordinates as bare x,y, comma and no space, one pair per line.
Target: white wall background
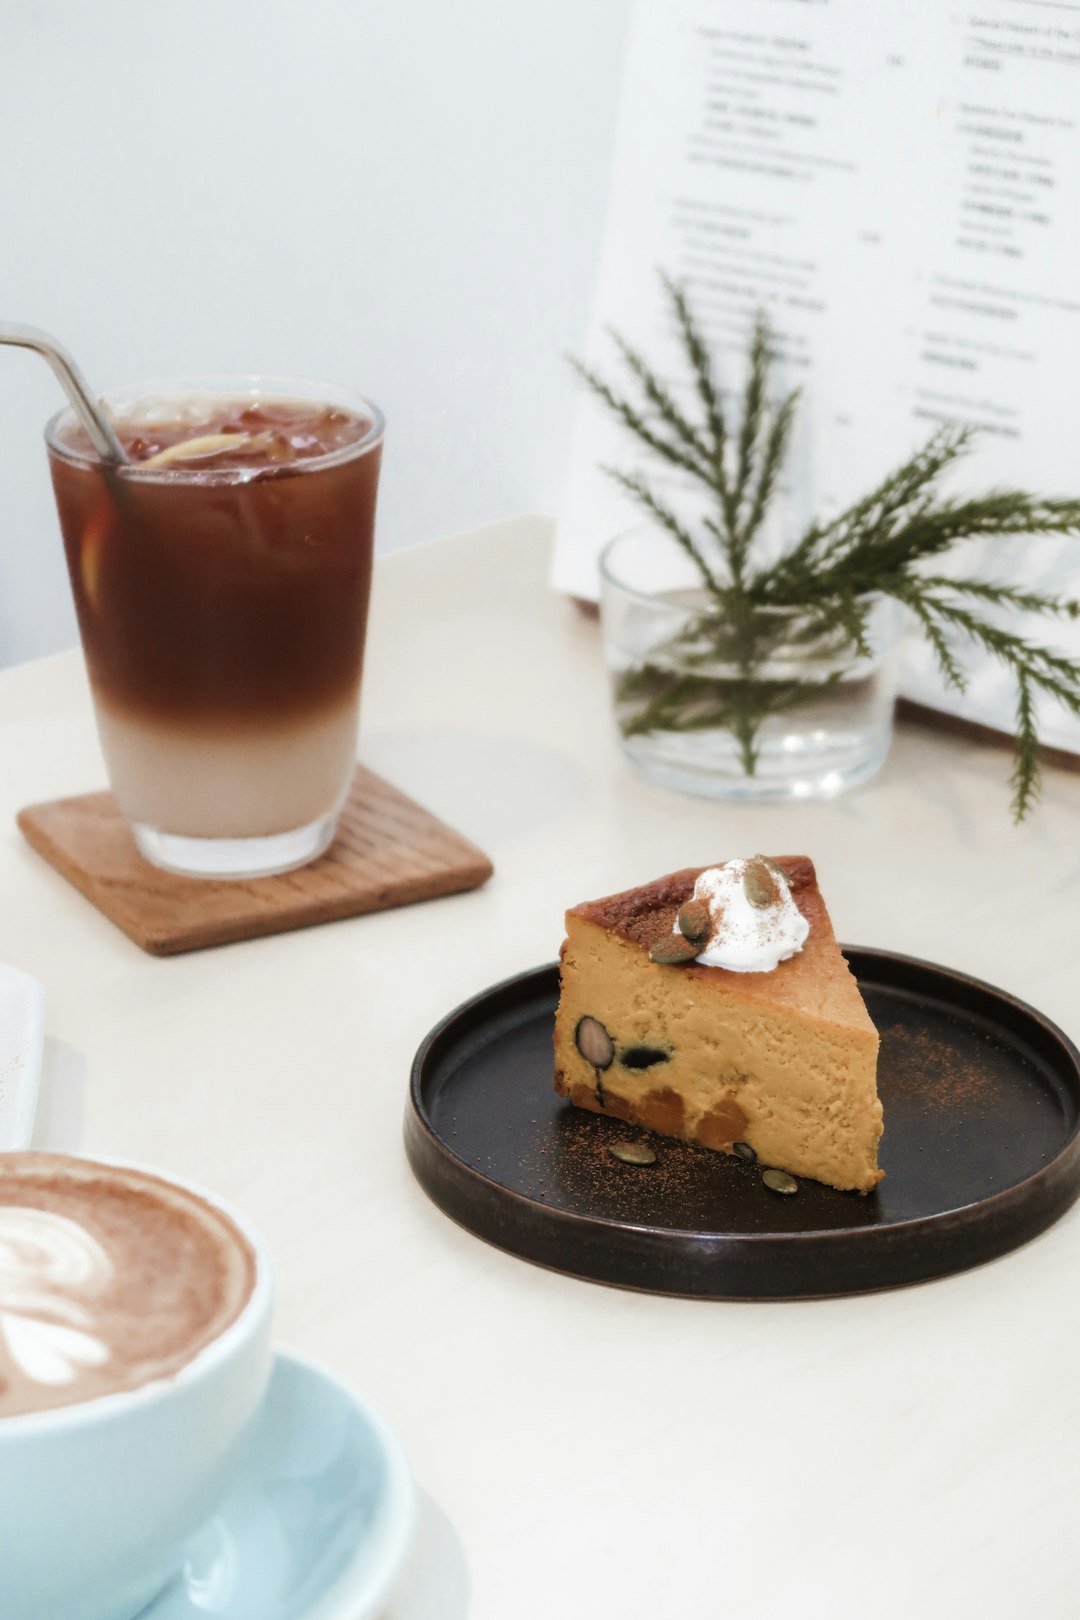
405,196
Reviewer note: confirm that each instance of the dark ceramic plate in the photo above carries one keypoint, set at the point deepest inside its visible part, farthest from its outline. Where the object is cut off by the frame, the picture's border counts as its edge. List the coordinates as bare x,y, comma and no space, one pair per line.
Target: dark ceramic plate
981,1151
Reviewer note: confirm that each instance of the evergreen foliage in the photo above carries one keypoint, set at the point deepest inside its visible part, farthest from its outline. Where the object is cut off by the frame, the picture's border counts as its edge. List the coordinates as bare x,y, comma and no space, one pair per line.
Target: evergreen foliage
885,544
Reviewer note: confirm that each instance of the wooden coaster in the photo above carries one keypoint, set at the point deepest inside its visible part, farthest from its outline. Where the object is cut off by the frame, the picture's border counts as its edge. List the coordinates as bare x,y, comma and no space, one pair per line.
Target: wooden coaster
389,851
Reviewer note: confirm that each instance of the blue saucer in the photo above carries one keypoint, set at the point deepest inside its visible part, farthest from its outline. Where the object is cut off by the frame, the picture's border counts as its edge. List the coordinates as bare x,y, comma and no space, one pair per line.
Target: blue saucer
319,1520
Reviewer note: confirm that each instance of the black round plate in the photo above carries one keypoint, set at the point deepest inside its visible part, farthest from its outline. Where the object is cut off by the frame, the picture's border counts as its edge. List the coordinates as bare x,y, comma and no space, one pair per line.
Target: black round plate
981,1151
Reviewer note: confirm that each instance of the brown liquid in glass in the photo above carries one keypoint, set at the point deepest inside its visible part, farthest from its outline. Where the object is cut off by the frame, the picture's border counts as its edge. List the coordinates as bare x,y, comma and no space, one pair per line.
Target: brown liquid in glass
229,589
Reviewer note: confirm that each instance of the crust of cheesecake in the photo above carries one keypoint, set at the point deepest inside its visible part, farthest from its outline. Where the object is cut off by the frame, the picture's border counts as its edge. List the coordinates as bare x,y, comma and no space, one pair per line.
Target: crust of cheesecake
784,1061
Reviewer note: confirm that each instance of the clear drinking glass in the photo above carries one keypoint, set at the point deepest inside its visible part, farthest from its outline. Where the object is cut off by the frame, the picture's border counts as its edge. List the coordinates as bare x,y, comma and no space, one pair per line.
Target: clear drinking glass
222,606
776,709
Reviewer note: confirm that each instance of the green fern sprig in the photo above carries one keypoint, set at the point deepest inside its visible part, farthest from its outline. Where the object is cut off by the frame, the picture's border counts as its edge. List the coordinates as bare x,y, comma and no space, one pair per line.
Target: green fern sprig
835,571
639,490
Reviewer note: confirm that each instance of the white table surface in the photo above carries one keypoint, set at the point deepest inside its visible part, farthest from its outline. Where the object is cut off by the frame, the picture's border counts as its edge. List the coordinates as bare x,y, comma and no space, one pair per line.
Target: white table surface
587,1452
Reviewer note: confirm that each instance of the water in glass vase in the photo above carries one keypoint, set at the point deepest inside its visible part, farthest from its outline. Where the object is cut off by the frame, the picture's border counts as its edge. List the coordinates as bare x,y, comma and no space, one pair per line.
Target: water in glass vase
776,709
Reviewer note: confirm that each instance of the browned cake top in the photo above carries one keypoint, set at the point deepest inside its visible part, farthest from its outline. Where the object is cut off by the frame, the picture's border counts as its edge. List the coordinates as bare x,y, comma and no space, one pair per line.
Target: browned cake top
816,979
642,914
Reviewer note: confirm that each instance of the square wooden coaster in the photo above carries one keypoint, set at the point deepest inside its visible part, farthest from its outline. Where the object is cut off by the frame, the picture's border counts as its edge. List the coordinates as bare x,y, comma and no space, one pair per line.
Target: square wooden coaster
389,851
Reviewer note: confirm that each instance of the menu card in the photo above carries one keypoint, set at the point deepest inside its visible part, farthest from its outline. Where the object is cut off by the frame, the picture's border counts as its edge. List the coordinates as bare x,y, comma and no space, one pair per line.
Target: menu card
898,185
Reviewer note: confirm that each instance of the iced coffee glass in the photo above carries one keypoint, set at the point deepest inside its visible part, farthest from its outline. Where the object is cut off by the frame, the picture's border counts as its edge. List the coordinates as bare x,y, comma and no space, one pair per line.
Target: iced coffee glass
221,581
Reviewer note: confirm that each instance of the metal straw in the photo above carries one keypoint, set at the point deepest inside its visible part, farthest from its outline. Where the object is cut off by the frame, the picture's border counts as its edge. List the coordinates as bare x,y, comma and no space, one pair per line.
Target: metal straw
83,403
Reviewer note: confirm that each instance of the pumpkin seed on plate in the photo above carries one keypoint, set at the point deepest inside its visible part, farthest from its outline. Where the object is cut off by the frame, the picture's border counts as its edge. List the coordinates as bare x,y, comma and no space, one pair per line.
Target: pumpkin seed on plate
632,1153
778,1181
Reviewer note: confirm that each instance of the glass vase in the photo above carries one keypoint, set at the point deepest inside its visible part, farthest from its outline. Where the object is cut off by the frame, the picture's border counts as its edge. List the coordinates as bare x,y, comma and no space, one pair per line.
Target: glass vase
772,705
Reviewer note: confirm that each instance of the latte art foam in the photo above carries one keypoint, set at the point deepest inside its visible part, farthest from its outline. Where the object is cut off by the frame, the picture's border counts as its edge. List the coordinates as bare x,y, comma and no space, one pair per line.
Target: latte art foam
110,1278
49,1265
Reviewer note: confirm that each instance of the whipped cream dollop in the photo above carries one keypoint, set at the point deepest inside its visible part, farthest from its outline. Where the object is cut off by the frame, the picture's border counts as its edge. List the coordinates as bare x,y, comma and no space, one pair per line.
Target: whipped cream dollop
756,924
44,1260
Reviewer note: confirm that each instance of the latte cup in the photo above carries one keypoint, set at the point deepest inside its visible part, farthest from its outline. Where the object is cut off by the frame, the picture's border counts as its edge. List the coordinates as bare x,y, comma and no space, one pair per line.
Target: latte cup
98,1497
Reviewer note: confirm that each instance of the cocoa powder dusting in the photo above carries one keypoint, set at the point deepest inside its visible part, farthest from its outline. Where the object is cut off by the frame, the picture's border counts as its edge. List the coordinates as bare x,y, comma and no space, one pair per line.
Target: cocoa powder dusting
923,1066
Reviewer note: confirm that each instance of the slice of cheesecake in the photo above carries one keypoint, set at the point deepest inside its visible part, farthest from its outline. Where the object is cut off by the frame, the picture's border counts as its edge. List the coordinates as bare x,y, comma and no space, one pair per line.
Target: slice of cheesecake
782,1062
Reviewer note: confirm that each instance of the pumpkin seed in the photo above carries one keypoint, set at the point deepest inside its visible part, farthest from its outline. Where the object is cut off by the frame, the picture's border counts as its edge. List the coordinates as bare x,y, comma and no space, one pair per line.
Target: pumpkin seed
759,885
643,1057
594,1043
694,920
632,1153
778,1181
